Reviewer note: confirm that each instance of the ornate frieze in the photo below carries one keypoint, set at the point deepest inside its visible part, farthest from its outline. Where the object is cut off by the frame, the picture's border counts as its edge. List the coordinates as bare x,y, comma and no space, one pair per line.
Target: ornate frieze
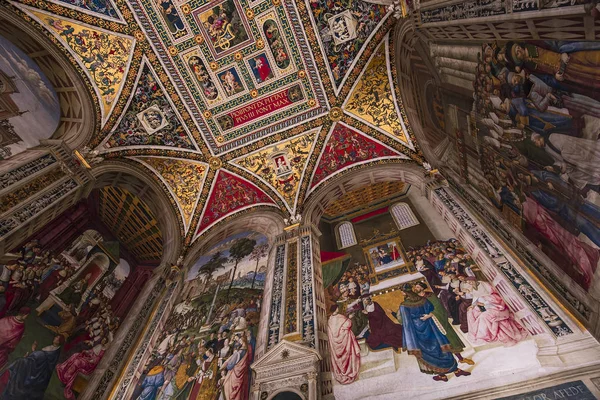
26,170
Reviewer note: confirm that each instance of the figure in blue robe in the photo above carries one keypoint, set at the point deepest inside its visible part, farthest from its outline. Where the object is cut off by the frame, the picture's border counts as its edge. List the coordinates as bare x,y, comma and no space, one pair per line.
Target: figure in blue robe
544,123
29,376
152,383
423,339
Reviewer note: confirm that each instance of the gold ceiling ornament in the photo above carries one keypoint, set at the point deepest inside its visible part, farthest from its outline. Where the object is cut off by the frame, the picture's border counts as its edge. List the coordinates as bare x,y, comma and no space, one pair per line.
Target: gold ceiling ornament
335,114
186,9
254,93
199,38
220,139
207,114
151,56
301,74
215,163
260,44
250,13
311,102
173,50
238,56
139,35
276,2
214,66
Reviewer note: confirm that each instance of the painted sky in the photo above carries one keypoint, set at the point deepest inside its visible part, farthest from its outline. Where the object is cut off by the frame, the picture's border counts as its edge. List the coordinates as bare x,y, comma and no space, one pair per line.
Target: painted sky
36,95
244,266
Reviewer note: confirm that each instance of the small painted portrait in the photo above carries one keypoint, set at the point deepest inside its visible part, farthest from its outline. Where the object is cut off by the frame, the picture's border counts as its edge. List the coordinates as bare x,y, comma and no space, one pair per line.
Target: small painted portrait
282,166
386,256
224,26
203,77
231,82
343,27
261,68
276,43
171,17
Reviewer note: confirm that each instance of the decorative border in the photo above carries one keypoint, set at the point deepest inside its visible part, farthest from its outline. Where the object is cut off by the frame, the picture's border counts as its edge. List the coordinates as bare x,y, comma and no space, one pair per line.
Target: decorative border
308,307
276,297
291,290
18,174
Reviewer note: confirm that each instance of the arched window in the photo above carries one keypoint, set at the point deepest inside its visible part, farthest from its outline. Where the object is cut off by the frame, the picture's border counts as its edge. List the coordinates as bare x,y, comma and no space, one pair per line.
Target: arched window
403,216
345,233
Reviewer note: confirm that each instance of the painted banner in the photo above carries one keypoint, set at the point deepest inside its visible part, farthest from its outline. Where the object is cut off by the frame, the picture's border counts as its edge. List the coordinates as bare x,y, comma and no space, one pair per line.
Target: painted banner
260,108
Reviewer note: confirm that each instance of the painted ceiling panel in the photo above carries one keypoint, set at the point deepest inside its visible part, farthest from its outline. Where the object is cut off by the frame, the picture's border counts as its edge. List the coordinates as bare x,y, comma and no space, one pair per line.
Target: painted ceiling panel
372,99
346,147
184,178
150,119
241,70
263,99
230,193
104,55
282,165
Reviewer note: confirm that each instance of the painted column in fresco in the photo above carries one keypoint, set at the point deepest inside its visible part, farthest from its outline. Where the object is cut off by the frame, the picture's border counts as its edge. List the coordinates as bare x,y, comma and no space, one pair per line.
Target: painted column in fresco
115,374
296,297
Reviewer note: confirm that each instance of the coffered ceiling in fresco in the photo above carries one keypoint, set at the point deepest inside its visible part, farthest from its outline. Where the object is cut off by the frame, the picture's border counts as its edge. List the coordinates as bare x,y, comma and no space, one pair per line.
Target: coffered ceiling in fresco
235,104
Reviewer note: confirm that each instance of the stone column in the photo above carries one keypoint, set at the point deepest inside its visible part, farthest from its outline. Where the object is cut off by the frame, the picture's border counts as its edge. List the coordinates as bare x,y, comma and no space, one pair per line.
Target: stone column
456,65
101,384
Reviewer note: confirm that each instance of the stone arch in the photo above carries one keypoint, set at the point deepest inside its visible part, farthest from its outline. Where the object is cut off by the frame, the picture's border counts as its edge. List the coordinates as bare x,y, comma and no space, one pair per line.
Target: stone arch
79,115
136,181
286,390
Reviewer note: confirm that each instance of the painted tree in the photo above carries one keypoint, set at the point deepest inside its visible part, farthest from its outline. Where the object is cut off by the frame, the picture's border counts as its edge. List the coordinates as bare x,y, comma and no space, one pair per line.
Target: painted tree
241,249
258,253
216,262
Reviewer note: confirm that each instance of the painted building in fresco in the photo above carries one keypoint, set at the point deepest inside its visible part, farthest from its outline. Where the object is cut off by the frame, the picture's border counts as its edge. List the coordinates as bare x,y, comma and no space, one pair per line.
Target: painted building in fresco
273,200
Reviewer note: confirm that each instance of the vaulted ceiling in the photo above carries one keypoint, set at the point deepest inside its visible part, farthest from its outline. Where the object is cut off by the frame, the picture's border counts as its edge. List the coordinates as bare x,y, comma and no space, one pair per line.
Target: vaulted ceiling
235,104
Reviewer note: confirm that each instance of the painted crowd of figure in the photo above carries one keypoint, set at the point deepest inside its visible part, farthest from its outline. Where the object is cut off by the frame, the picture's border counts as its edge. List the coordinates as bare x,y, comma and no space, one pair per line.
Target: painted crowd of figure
538,120
453,295
205,352
79,340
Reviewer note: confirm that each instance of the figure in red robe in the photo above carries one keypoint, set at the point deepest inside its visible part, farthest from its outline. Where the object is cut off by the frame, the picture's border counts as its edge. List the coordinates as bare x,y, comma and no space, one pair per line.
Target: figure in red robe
236,384
395,253
11,332
383,332
344,348
84,363
262,67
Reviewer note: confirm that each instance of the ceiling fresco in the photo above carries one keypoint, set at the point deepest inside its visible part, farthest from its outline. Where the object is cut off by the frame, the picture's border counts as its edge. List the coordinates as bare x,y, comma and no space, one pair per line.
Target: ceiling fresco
261,100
